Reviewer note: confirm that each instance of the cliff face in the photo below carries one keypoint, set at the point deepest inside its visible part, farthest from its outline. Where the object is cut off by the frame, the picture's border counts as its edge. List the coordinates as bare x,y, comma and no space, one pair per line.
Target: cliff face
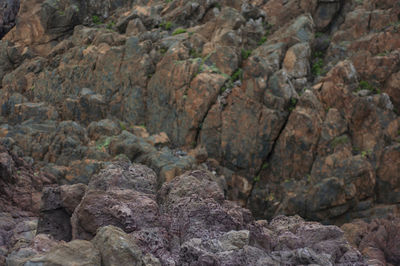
8,13
292,105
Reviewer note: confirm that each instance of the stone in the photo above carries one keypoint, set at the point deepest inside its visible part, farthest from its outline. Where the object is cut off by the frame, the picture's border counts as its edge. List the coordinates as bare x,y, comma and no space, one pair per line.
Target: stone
116,248
76,252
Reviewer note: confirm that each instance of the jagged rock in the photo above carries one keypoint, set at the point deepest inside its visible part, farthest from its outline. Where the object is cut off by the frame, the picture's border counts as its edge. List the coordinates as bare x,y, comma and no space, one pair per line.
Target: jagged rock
76,252
8,14
123,175
116,248
103,128
130,210
293,104
58,204
376,240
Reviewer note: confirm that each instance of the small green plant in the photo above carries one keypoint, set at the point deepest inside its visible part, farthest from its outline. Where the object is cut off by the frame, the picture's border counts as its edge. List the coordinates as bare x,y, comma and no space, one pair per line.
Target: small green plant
142,126
110,25
316,68
292,104
318,63
262,40
167,25
163,50
366,153
265,166
194,53
340,141
96,19
365,85
101,145
246,54
122,125
318,34
168,1
178,31
270,197
385,53
256,179
237,75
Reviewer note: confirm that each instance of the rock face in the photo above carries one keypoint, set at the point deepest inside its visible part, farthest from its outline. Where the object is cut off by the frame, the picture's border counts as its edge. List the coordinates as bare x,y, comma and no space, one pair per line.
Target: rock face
293,106
378,240
20,194
187,221
8,14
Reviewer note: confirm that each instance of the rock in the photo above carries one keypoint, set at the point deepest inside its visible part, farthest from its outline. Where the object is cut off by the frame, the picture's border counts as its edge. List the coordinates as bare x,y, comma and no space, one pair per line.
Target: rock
76,252
67,143
8,14
123,175
36,111
387,175
116,248
130,210
296,60
58,204
376,240
88,107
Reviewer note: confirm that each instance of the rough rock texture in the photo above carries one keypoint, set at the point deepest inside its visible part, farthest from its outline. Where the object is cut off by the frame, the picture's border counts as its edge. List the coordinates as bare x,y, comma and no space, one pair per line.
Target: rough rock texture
20,194
186,222
378,241
292,105
8,13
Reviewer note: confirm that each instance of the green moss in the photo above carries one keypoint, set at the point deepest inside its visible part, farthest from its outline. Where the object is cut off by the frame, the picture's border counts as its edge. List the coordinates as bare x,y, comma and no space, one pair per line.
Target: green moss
122,125
167,25
366,153
316,68
96,19
246,54
256,179
292,104
365,85
237,75
163,50
318,34
110,25
262,40
194,53
340,141
178,31
103,144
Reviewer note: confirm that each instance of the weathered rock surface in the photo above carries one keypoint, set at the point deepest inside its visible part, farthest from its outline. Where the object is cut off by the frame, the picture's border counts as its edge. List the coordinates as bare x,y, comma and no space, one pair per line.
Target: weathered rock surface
8,14
377,241
292,105
189,222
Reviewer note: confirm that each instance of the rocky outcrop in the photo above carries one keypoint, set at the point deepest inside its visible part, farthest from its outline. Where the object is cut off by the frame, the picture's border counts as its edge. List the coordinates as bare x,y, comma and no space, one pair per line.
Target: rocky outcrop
376,240
292,105
20,196
125,219
8,14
